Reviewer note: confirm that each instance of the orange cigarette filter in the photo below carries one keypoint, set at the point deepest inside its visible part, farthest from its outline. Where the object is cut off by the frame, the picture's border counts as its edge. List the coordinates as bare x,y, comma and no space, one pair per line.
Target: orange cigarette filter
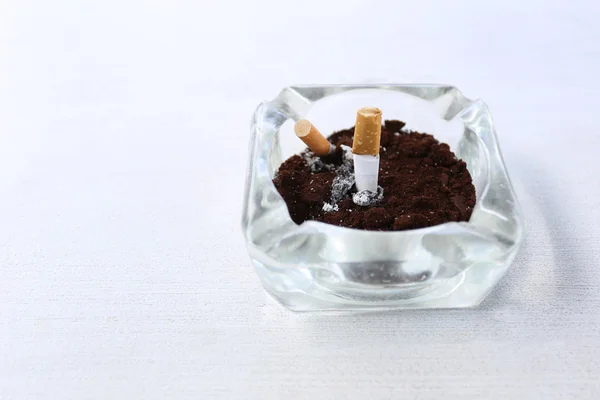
313,138
367,132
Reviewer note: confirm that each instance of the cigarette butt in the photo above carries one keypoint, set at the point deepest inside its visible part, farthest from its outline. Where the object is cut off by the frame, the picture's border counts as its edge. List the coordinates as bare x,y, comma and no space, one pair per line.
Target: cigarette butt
313,138
367,132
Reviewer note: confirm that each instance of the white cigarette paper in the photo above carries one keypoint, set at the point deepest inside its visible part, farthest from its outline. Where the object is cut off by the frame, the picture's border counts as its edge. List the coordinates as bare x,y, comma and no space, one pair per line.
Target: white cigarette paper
366,172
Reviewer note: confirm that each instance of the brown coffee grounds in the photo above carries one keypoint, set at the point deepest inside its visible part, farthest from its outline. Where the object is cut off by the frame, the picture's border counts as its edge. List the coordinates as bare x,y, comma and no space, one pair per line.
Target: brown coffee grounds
424,184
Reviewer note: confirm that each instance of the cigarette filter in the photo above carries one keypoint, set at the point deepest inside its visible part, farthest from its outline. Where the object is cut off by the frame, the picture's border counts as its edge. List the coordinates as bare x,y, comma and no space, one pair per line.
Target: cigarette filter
367,132
313,138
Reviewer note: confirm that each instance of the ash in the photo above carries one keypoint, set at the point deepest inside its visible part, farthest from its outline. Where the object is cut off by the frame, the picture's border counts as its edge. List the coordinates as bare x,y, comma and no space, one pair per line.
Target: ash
329,207
343,181
367,198
315,163
348,158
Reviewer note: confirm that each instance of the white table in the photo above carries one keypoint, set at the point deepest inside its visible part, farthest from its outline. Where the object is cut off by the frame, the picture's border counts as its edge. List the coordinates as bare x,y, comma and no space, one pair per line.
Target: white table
123,272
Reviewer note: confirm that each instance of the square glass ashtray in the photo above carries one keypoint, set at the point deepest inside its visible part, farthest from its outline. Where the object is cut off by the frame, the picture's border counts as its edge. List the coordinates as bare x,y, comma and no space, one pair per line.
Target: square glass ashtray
317,266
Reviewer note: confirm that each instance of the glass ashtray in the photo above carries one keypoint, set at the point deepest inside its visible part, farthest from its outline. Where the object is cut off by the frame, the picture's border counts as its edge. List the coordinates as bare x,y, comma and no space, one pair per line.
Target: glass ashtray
316,266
